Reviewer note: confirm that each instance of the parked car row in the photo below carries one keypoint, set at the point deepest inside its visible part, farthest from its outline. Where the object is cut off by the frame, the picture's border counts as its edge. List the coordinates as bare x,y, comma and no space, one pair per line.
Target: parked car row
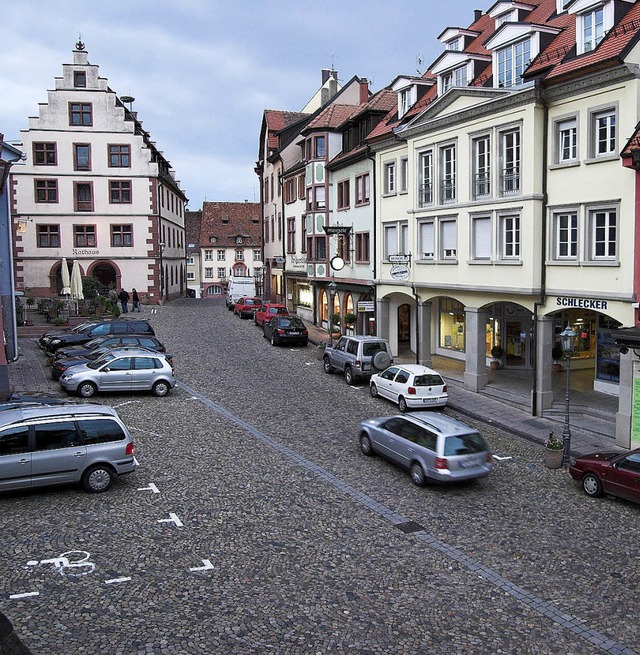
278,326
109,355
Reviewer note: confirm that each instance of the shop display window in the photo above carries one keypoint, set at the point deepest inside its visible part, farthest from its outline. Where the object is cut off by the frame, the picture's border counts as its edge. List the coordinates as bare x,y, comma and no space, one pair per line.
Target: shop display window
451,324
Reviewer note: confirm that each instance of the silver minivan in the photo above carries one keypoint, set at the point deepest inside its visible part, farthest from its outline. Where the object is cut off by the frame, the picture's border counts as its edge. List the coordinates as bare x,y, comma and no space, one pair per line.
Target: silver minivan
42,444
431,447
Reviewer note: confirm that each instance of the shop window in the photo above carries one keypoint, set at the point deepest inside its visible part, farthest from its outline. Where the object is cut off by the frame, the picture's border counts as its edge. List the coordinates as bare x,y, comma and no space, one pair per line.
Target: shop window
452,325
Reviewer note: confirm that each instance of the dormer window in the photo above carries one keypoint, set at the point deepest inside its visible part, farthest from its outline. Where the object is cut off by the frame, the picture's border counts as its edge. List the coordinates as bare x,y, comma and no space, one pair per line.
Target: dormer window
507,17
213,239
405,100
453,45
509,12
512,62
593,20
239,240
456,77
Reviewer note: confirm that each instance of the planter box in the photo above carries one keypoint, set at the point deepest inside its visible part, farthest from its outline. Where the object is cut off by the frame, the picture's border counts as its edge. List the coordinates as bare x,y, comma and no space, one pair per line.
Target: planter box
553,458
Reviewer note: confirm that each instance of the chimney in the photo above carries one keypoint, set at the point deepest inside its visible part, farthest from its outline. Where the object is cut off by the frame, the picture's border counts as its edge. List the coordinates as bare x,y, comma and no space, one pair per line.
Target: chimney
477,15
329,85
364,90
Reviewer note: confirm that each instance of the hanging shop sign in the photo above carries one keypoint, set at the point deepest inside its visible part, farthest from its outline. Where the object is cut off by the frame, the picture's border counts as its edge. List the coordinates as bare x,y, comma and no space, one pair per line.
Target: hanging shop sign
399,272
366,306
334,230
399,259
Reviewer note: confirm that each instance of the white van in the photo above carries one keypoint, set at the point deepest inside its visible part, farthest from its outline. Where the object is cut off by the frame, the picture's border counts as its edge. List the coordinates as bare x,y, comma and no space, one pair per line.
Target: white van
238,287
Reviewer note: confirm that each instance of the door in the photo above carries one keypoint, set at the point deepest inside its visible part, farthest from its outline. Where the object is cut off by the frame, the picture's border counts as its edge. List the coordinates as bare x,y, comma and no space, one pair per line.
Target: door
518,342
116,375
15,458
144,372
404,323
385,383
59,455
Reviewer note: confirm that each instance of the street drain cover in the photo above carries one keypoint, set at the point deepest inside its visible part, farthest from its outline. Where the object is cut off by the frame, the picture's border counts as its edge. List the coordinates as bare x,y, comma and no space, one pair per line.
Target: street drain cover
409,527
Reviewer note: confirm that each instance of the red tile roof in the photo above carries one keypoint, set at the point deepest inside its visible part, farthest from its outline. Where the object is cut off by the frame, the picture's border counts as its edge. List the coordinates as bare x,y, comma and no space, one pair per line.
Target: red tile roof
333,116
277,120
228,220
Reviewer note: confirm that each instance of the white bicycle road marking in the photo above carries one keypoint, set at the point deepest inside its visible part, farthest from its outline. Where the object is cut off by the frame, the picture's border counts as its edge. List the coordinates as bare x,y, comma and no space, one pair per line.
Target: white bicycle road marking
73,563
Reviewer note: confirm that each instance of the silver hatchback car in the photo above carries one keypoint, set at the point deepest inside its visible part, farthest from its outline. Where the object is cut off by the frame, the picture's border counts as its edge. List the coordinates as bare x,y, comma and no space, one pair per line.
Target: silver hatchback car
121,370
431,446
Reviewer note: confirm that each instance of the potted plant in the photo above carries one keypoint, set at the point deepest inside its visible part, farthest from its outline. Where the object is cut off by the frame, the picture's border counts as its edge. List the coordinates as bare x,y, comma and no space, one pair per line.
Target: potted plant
553,452
350,320
496,352
556,355
335,326
320,350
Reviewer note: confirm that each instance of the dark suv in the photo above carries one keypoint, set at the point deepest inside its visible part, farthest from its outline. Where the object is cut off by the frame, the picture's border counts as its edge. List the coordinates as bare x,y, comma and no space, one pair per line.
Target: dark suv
51,342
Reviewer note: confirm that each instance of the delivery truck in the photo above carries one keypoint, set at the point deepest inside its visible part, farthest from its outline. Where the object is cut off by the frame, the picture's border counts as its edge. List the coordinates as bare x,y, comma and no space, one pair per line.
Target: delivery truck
238,287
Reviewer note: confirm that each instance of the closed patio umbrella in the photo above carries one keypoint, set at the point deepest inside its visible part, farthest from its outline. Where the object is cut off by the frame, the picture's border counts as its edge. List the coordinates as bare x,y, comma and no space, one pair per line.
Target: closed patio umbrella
76,282
66,280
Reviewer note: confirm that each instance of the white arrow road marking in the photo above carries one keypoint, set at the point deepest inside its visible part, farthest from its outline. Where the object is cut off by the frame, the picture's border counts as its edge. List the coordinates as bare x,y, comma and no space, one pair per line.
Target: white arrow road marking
152,487
173,518
207,566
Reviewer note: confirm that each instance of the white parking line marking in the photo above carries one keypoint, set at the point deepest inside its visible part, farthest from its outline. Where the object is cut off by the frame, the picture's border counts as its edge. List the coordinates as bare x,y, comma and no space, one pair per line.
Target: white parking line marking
127,402
502,459
152,487
207,566
117,580
25,595
173,518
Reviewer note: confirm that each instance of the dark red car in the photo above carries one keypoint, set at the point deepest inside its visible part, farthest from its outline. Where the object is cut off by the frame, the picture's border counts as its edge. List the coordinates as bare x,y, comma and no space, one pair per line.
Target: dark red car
246,306
617,474
268,311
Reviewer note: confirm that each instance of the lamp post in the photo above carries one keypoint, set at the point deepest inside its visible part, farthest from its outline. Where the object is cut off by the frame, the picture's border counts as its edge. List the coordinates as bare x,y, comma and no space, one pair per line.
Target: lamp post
161,250
332,294
566,340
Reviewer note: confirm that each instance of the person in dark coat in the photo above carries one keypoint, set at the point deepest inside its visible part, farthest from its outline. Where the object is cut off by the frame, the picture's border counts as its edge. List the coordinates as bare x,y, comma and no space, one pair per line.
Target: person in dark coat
136,300
124,300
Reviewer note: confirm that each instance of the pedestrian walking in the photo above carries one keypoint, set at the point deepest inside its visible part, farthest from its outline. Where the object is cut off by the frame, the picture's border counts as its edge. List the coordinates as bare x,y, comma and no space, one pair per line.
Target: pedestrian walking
124,300
136,300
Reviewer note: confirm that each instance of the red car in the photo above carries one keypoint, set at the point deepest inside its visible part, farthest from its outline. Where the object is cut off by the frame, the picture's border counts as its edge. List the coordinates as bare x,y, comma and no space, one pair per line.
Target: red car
246,306
268,311
617,474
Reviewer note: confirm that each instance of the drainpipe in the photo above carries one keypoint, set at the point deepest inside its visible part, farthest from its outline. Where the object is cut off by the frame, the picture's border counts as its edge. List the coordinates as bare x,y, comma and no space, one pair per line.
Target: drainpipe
283,232
543,246
415,295
374,272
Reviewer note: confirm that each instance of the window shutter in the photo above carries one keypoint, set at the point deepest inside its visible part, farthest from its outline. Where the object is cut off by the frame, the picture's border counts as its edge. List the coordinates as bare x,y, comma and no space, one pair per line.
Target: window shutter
448,234
427,241
482,237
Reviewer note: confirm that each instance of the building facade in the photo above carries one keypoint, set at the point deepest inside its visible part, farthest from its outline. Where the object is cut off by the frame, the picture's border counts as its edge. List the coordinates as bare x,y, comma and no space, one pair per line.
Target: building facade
229,244
94,188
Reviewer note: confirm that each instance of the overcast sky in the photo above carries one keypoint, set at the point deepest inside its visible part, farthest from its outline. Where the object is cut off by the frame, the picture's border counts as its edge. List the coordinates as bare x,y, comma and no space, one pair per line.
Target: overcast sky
203,71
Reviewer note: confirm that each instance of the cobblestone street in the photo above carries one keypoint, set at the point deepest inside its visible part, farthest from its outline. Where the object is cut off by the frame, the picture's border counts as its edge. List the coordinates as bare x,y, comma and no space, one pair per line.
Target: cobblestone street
254,525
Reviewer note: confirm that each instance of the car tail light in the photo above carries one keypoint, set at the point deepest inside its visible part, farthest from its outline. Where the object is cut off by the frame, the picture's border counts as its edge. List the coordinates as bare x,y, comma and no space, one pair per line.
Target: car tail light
411,391
305,331
489,458
357,363
130,449
280,331
442,464
444,388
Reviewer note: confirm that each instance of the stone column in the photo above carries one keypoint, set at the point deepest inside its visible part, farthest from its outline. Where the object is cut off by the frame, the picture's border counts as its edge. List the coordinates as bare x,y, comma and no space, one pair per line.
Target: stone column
382,318
475,371
544,386
423,338
624,437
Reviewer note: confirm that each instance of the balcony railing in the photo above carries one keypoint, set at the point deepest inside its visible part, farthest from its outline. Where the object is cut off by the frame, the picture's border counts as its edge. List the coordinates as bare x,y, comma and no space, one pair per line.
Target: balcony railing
448,190
481,185
510,181
425,194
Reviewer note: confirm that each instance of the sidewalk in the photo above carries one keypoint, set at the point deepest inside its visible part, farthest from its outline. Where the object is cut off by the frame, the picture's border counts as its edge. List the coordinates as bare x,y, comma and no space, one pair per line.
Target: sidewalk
507,408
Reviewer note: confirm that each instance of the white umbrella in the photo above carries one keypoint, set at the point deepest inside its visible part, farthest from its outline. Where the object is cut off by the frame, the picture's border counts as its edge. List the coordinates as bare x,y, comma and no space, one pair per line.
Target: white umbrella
66,281
76,282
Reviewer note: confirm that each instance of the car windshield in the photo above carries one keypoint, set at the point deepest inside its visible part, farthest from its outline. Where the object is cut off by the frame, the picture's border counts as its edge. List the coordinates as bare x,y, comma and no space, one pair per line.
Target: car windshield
107,357
371,348
82,326
465,444
427,380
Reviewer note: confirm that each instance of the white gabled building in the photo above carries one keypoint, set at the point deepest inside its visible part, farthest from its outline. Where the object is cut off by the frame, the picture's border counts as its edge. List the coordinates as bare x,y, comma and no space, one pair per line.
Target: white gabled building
96,189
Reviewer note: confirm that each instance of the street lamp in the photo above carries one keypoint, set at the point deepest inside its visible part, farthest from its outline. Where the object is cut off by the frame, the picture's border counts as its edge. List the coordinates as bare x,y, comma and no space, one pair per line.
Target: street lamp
332,294
566,340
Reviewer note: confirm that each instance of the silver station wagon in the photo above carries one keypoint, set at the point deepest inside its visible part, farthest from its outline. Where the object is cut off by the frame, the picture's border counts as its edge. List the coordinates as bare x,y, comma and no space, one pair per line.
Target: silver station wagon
430,446
43,445
121,370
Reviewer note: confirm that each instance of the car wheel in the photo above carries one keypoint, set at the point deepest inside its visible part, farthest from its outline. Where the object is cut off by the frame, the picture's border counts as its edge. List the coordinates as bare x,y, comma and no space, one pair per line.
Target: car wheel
97,479
373,390
591,485
160,388
402,404
264,332
381,360
87,389
365,445
348,375
417,475
273,340
327,365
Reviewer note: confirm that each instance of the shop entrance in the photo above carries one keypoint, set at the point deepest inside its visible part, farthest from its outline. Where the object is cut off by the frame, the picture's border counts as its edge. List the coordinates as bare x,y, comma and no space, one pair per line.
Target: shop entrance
517,332
404,323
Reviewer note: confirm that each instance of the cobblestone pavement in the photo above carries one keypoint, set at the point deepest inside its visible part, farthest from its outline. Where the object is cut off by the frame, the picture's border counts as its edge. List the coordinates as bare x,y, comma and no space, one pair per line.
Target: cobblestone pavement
254,525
